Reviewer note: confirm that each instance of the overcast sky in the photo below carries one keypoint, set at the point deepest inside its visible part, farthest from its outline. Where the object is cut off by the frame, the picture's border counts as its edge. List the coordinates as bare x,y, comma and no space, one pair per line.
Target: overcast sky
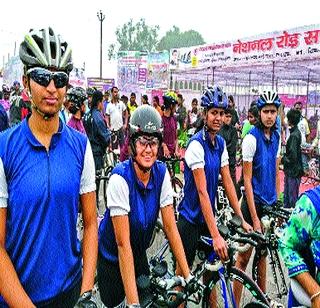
216,21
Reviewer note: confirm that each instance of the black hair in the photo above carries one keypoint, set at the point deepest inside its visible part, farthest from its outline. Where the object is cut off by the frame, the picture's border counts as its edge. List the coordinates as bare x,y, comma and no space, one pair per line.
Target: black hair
230,97
194,100
293,116
133,94
97,97
114,87
254,111
156,98
180,96
227,111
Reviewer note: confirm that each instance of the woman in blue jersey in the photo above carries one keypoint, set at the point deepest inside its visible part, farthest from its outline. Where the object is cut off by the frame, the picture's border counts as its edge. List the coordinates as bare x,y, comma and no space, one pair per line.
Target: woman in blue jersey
261,158
46,170
206,157
138,189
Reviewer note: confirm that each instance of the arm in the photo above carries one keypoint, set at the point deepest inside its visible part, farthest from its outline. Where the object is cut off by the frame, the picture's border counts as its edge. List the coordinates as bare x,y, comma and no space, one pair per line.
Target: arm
278,177
126,262
104,132
10,286
108,120
295,239
126,116
206,208
90,240
247,179
232,195
172,233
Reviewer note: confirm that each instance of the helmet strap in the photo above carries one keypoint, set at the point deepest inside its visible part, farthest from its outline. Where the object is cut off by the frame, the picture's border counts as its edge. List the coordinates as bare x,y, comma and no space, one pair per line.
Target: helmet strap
45,116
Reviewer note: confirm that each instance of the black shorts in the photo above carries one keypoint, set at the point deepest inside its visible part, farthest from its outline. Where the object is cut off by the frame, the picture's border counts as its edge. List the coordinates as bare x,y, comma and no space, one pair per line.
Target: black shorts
67,299
110,282
246,212
190,235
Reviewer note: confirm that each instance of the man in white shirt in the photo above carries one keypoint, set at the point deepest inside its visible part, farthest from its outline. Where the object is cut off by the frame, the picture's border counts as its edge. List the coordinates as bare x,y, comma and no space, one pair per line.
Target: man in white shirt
117,117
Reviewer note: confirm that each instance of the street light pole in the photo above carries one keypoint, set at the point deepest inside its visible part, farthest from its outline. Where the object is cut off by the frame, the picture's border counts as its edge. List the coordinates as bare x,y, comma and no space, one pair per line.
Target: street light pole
101,17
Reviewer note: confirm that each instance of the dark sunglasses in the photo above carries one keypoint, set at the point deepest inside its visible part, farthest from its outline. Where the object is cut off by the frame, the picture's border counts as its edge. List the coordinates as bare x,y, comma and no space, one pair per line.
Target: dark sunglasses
145,141
43,77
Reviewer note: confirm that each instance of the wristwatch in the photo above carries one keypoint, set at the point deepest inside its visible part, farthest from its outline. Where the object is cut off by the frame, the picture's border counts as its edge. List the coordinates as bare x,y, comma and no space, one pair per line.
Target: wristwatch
86,294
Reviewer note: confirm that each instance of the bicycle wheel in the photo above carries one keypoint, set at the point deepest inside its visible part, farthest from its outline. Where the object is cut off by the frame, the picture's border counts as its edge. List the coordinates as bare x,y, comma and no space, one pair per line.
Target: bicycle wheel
250,293
276,285
105,182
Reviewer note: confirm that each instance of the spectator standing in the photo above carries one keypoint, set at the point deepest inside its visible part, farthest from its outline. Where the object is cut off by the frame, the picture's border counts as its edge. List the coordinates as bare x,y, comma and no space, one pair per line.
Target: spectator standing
292,160
117,117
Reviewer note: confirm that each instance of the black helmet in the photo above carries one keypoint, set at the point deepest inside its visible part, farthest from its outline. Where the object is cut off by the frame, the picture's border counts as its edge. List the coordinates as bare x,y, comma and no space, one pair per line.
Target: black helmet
145,121
76,96
90,91
169,99
44,48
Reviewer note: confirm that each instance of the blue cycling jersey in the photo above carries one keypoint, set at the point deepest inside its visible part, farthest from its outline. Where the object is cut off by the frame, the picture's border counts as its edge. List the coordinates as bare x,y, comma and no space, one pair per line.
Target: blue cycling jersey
144,211
42,208
189,207
264,166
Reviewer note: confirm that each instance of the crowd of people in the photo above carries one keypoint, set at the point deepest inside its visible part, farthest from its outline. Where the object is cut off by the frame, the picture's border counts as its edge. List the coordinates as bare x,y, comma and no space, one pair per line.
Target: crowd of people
53,144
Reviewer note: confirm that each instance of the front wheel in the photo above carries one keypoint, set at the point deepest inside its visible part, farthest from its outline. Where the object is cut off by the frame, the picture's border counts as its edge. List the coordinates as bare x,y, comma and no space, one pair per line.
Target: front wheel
251,293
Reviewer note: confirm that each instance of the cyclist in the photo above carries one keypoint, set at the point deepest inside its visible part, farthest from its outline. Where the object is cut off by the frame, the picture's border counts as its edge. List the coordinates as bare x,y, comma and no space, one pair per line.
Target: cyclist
300,249
45,169
261,157
138,189
170,144
206,156
76,98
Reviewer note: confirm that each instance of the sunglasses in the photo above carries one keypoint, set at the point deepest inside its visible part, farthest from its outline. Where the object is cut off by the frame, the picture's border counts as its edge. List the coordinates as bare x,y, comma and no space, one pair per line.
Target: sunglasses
145,141
43,77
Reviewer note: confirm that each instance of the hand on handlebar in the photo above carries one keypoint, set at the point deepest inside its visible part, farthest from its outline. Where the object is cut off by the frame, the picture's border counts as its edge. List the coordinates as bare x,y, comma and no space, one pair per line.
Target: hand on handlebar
246,227
257,225
220,247
86,301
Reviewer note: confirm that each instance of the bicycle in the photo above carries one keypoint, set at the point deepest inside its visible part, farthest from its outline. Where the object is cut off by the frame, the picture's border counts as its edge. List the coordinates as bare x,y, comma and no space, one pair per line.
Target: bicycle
177,186
222,274
273,218
158,290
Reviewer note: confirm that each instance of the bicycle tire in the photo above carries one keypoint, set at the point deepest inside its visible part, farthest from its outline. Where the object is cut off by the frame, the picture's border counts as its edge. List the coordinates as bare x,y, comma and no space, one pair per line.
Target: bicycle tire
105,183
251,292
273,292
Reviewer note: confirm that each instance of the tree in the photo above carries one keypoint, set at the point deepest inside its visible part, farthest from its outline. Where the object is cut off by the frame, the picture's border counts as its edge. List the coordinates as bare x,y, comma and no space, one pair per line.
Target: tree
176,39
137,37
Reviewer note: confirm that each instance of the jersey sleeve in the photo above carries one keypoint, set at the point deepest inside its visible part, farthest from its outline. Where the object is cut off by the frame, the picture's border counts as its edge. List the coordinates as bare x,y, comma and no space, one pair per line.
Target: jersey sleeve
88,177
249,145
118,196
296,235
166,196
194,155
224,156
3,187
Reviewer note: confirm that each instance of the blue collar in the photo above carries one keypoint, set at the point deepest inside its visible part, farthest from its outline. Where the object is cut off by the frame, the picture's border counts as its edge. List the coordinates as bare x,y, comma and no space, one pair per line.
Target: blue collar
33,140
140,185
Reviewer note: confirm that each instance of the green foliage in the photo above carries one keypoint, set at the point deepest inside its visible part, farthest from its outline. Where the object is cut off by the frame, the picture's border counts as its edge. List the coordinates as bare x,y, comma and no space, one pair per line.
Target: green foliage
135,36
141,37
174,38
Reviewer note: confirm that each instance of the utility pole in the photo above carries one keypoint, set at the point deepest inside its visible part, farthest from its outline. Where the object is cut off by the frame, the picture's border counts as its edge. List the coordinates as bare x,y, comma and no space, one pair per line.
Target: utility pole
101,18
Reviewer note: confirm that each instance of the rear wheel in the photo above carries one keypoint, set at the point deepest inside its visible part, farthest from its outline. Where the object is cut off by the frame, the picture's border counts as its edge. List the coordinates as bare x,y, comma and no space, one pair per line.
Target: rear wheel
251,294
